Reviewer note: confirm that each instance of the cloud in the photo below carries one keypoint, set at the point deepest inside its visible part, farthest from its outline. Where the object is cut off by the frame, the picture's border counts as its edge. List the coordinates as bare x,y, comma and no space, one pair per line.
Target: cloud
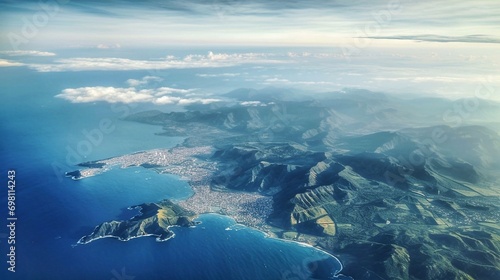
425,79
478,38
144,81
211,60
252,103
205,101
166,91
218,75
129,95
159,96
108,94
167,100
109,46
7,63
276,80
27,53
244,23
286,81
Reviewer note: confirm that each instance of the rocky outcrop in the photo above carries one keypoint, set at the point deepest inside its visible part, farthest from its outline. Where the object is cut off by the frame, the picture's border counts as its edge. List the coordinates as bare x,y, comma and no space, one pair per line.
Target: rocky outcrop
154,219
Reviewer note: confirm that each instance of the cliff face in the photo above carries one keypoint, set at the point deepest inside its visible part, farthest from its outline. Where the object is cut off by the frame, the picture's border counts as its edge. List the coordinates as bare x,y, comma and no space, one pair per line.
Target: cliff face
154,219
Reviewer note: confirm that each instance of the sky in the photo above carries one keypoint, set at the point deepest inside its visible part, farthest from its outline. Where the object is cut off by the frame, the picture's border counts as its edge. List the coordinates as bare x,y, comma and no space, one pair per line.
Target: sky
241,22
447,48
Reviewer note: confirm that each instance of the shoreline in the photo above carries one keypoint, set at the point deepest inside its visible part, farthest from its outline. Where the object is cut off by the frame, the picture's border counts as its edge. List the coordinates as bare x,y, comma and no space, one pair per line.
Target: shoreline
276,238
79,242
204,200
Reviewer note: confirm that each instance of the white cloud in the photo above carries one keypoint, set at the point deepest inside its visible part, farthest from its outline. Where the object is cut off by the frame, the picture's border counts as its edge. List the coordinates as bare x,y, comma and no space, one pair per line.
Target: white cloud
294,54
166,90
107,94
276,80
144,81
167,100
7,63
286,81
108,46
27,53
218,75
210,60
425,79
252,103
190,101
160,96
314,83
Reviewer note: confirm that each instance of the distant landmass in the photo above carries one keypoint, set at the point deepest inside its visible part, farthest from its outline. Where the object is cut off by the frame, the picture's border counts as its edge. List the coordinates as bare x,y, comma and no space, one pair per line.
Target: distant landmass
398,188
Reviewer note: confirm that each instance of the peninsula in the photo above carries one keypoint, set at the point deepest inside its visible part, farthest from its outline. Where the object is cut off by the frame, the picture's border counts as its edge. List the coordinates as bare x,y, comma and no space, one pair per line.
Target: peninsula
154,219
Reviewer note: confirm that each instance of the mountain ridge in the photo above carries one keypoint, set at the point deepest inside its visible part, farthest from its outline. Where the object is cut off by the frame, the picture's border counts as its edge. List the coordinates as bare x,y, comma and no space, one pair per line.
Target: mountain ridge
361,174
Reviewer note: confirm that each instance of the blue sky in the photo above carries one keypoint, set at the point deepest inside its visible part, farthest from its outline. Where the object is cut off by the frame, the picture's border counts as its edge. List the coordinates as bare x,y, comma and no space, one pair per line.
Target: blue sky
446,48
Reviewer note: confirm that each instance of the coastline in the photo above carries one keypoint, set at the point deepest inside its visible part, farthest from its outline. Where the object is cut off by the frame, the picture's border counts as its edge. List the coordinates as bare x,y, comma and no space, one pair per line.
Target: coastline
273,236
79,242
204,200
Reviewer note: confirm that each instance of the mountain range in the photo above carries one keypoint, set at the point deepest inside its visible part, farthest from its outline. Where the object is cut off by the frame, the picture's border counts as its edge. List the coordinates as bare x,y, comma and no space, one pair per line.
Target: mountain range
399,188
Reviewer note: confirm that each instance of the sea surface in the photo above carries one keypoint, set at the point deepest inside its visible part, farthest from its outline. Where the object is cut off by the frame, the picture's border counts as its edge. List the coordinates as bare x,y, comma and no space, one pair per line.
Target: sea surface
43,137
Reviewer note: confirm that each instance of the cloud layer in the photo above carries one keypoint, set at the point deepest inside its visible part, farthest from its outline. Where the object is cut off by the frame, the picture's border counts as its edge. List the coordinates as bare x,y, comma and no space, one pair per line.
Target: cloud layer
8,63
244,23
444,39
144,81
211,60
159,96
27,53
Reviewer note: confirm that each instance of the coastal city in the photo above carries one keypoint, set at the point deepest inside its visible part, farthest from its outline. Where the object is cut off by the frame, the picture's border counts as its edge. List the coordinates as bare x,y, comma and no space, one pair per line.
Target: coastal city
246,208
250,209
180,161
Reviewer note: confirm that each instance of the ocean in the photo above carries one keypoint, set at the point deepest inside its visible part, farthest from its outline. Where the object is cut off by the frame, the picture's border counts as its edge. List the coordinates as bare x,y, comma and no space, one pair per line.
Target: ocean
44,136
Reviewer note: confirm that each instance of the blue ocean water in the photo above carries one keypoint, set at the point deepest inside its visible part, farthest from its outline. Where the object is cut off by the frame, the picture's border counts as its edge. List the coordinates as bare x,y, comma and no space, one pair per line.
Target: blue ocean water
42,137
